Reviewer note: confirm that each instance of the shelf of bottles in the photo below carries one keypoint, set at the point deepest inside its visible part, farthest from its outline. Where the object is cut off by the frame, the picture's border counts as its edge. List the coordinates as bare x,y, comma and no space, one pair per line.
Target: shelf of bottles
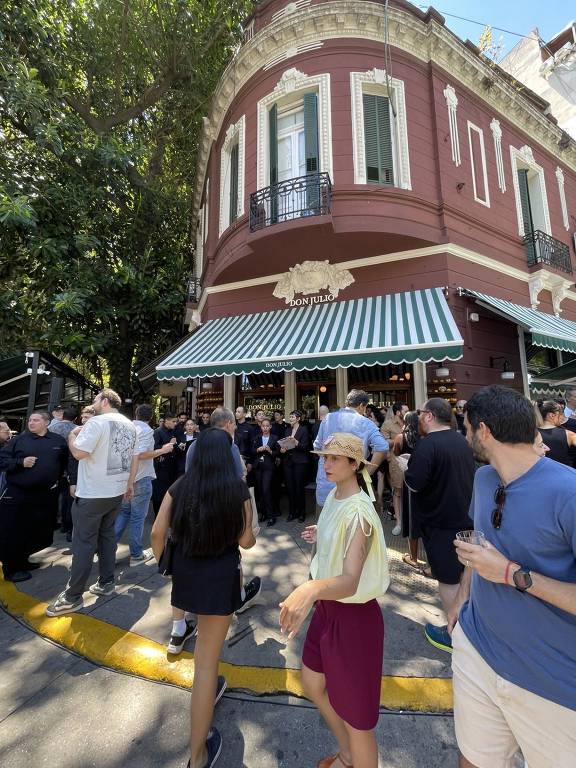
445,388
207,401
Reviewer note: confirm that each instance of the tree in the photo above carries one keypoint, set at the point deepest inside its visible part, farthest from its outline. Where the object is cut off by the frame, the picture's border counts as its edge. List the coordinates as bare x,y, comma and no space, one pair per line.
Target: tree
101,105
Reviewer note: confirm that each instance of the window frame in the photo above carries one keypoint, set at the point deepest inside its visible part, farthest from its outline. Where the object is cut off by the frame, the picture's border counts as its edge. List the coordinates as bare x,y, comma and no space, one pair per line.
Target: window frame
376,82
524,157
480,132
235,135
290,89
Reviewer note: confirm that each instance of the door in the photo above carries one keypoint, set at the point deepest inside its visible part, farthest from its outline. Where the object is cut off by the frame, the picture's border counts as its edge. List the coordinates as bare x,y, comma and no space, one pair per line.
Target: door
291,163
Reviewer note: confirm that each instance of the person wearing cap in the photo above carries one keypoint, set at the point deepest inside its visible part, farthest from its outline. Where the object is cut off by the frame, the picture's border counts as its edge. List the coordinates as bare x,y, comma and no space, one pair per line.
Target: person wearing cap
351,418
343,651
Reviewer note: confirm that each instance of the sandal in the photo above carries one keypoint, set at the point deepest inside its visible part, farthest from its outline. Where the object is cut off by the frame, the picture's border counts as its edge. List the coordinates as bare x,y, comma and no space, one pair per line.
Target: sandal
327,762
408,560
426,572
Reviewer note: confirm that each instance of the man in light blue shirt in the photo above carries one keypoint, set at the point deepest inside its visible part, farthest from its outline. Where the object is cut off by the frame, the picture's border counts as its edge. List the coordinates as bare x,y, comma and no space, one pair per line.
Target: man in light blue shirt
513,659
352,418
570,397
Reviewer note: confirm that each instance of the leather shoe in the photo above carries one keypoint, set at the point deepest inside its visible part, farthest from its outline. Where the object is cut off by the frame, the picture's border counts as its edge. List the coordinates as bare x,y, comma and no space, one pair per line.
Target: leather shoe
32,566
18,576
271,522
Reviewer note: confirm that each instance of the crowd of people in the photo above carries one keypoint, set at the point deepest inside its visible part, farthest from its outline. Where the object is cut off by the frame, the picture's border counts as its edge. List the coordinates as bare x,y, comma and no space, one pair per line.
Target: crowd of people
489,489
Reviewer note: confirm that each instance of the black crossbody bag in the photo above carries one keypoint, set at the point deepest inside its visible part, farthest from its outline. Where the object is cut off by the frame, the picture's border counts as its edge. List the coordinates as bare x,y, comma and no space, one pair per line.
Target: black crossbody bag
166,562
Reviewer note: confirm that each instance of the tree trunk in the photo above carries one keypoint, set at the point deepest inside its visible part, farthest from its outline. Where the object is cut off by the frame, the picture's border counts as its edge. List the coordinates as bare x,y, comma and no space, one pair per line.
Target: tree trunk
119,361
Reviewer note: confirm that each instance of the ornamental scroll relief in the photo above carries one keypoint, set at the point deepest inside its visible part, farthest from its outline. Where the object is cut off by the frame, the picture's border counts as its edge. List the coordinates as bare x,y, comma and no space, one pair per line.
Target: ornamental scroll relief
312,277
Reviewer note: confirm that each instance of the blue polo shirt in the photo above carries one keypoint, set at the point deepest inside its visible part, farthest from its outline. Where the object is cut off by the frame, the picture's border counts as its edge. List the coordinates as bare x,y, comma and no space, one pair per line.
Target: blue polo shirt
522,638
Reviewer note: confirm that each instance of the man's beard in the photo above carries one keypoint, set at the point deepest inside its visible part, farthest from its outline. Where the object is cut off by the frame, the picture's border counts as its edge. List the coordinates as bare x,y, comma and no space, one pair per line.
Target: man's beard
478,449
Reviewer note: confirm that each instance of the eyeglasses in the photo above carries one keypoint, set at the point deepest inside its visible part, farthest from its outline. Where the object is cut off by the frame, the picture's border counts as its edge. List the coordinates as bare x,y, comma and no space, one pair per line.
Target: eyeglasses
499,500
420,411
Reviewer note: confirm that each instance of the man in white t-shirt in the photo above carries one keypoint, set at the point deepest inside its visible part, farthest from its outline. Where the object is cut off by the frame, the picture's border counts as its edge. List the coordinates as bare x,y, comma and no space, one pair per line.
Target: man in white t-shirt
104,447
134,510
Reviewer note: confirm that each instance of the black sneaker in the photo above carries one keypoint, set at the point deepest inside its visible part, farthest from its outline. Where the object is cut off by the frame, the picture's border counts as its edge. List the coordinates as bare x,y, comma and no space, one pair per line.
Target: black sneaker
213,748
251,592
220,688
176,643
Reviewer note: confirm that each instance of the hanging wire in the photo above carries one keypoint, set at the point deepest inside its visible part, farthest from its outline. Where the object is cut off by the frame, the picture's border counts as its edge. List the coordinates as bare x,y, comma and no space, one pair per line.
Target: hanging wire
388,61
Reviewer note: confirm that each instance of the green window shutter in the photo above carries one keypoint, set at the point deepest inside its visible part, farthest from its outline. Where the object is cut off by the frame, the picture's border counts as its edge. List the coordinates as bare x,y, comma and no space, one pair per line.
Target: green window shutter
273,137
525,200
234,183
273,156
378,140
311,132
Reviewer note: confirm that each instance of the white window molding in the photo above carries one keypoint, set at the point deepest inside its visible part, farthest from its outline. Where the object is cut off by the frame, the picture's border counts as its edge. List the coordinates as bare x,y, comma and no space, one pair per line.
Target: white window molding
562,193
200,242
497,136
524,158
376,81
452,104
291,87
236,134
206,209
474,129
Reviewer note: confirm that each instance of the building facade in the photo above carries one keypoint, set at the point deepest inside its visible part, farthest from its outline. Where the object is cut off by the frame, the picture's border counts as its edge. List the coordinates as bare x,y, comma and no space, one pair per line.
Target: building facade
376,205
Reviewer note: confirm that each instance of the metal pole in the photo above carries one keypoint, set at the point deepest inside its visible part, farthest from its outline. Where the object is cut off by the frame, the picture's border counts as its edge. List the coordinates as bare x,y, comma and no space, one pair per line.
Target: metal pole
33,384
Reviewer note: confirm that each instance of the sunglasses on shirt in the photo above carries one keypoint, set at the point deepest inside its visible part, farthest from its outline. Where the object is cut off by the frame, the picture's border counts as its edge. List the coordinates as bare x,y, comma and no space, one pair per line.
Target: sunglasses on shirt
497,512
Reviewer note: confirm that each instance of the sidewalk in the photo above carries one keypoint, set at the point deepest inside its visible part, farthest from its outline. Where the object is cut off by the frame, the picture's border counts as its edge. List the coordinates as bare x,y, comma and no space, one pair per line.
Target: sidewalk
60,711
142,603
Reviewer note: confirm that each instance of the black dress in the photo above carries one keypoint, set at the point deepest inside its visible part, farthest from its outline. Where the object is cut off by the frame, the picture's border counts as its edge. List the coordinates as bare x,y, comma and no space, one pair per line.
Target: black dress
410,526
557,441
209,586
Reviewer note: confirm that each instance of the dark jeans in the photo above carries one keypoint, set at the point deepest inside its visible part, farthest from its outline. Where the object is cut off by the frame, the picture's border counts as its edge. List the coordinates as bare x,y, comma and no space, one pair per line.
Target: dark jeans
93,532
159,487
265,503
296,476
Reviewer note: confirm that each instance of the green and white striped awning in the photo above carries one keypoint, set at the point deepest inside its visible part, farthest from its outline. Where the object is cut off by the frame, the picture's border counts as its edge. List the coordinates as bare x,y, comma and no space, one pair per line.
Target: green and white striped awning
402,327
547,330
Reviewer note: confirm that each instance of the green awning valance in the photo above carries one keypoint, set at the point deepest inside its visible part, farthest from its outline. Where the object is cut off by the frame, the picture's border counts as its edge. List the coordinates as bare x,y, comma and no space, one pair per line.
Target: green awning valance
547,330
402,327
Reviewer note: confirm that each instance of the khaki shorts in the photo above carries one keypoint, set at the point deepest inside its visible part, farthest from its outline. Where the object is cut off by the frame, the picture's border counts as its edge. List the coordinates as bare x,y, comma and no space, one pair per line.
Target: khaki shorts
495,718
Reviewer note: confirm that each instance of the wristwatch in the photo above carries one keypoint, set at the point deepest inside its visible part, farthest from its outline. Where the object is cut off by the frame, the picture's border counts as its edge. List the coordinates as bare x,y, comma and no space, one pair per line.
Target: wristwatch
522,579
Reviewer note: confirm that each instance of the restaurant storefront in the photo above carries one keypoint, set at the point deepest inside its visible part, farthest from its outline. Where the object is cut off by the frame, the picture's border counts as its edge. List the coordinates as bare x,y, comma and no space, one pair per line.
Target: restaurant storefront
310,355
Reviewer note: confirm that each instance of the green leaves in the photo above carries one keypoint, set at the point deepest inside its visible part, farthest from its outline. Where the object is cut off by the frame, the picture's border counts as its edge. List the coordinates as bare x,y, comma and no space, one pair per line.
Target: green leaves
101,102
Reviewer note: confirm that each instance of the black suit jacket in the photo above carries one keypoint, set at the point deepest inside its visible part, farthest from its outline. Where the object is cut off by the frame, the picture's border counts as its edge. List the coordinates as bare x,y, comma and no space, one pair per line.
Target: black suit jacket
300,454
268,462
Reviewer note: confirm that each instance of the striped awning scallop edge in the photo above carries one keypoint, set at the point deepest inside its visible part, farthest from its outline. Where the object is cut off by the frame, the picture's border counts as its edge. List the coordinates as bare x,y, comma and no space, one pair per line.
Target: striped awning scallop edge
401,327
547,330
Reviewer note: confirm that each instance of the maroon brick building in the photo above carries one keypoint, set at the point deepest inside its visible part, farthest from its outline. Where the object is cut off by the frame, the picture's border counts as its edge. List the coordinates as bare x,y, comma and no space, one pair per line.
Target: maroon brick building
376,140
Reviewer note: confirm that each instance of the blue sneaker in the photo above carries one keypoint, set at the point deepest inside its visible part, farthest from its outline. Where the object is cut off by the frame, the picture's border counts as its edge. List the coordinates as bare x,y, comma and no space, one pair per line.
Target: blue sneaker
439,637
213,748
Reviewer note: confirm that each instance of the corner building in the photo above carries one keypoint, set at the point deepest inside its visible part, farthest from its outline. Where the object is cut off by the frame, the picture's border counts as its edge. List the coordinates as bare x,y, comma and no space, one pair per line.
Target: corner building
377,205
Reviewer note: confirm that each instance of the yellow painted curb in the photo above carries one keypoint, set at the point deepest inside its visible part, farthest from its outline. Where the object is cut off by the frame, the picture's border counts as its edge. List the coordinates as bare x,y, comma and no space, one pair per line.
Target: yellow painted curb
116,648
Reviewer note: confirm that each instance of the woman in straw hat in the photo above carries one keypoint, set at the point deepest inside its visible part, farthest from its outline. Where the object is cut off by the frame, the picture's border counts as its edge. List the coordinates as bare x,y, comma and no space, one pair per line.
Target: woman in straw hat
343,650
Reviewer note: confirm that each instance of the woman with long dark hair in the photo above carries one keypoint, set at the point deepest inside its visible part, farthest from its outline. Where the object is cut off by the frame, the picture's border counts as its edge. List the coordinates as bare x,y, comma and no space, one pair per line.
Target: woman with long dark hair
549,417
404,445
209,514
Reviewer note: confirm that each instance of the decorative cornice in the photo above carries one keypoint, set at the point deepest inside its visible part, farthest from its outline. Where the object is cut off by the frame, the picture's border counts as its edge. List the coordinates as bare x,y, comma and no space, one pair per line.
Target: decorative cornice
449,249
352,19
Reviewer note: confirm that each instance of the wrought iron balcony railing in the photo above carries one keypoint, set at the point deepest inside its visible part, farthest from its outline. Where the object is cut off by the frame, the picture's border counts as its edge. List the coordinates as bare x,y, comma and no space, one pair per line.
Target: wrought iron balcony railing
542,248
309,195
194,290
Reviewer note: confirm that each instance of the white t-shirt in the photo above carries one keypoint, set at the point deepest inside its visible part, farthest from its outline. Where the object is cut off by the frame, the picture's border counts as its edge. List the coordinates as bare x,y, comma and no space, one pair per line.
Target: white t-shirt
145,444
111,440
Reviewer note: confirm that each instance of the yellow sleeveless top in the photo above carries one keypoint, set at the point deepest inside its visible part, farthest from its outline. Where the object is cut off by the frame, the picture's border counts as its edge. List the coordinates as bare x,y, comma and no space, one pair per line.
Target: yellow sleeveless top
337,525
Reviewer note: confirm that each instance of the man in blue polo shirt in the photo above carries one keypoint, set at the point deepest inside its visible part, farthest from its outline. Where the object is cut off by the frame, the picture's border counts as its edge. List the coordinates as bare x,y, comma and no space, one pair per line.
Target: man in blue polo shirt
514,658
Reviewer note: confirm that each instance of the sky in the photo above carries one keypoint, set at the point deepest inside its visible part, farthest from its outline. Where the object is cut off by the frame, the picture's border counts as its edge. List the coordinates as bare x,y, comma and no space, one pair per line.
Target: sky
520,16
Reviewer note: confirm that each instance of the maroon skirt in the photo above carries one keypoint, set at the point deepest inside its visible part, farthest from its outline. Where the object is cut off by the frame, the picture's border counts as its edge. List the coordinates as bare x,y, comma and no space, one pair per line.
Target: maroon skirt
345,643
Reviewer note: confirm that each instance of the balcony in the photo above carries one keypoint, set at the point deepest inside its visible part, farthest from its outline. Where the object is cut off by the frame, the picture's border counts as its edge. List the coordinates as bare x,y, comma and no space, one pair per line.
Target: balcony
541,248
194,290
309,195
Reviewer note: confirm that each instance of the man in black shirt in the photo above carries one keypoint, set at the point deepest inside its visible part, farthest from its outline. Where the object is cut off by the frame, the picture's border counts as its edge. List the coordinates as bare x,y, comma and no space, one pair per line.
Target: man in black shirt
440,475
34,463
165,466
244,435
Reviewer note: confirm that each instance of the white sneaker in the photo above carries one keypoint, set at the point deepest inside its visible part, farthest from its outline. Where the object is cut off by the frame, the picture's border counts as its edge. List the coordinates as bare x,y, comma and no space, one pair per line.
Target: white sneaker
146,555
397,530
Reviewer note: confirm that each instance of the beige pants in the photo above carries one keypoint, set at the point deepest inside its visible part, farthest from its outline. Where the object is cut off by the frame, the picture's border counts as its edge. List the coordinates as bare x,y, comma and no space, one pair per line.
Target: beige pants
495,718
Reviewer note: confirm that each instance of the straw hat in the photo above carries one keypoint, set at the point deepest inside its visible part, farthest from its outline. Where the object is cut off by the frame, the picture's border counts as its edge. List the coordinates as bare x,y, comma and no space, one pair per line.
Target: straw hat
344,444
